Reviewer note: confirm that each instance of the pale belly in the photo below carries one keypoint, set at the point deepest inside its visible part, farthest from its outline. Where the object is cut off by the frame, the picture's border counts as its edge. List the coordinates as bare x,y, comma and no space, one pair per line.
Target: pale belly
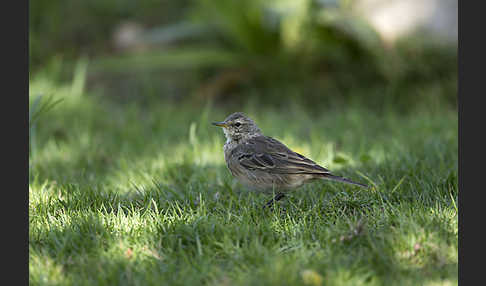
267,182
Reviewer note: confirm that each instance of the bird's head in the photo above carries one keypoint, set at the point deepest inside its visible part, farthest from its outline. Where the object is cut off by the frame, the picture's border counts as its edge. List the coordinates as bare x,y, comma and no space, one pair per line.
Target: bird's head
238,127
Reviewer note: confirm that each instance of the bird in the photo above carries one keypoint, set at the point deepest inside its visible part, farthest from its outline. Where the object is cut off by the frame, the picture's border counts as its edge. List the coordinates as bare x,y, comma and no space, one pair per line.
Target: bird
266,164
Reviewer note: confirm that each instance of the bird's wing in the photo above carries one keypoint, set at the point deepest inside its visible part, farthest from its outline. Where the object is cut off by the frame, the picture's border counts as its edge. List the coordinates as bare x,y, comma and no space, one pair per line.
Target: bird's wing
269,155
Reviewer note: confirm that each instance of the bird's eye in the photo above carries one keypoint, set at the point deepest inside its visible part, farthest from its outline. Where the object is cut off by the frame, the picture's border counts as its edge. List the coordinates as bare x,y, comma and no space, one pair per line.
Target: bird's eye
237,124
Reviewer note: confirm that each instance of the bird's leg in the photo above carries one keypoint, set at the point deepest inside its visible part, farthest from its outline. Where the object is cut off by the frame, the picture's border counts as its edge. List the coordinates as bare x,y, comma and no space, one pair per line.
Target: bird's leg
277,197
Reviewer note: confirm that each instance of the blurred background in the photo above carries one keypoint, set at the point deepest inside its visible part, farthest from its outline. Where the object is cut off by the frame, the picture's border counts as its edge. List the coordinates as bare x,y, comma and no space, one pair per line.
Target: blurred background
312,53
122,89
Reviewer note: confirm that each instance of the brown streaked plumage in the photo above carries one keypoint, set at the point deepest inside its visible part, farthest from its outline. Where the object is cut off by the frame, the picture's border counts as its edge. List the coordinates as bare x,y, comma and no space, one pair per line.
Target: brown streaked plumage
265,163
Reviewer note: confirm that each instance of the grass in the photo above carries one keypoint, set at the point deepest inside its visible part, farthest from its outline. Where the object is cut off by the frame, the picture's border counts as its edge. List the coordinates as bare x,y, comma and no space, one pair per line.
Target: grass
137,193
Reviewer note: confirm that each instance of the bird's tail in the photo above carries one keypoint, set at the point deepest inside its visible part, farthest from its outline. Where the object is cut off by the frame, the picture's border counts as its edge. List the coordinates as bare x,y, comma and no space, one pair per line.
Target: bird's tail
342,179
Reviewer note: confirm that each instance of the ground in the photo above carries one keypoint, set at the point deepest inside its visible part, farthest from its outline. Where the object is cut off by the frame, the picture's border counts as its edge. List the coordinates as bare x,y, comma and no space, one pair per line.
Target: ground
137,193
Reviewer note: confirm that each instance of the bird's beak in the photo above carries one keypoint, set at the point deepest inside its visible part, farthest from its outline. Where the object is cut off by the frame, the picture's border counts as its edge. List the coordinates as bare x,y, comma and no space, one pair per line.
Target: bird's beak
220,124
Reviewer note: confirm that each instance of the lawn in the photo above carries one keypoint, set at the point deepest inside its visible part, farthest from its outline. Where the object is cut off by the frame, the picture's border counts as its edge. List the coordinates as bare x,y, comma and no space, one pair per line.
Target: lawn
136,192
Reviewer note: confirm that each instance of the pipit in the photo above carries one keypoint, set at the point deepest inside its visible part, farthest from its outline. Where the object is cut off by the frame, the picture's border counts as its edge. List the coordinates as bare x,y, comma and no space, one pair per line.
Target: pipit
264,163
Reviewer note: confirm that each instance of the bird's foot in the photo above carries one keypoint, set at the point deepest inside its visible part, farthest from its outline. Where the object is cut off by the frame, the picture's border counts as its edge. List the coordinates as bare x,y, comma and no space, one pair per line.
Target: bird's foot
271,203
